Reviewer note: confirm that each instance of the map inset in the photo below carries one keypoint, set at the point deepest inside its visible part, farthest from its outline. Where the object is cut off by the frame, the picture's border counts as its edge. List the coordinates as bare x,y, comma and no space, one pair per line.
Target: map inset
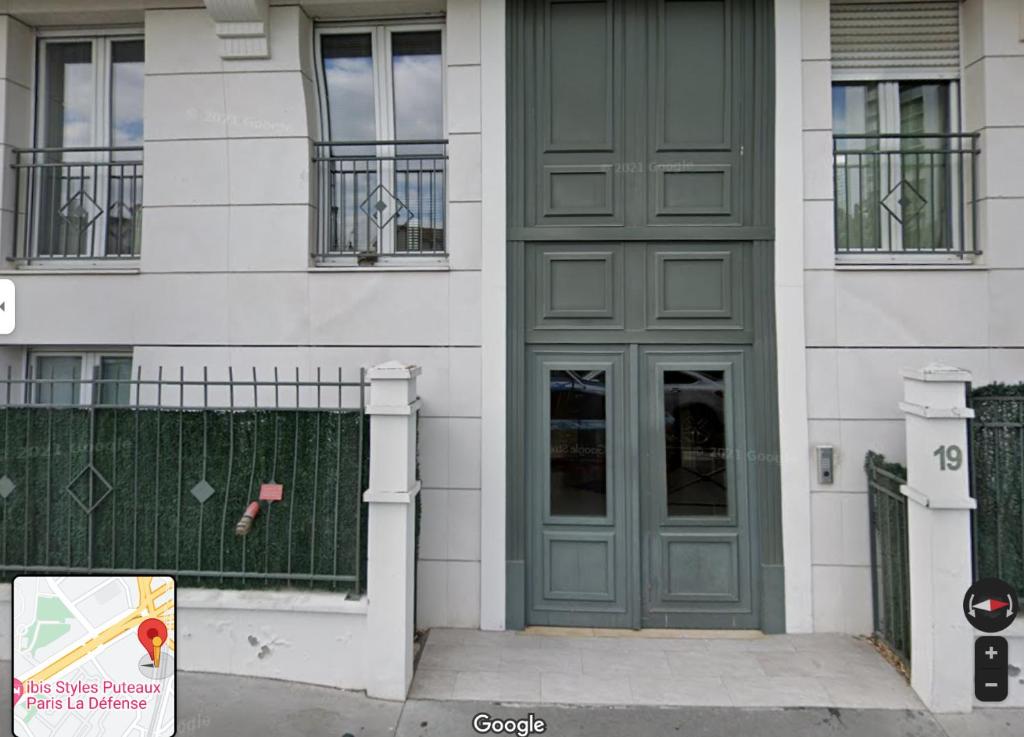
93,656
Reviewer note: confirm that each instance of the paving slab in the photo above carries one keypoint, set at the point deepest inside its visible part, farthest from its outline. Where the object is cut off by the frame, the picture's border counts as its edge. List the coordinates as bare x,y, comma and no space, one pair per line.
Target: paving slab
452,719
655,667
229,706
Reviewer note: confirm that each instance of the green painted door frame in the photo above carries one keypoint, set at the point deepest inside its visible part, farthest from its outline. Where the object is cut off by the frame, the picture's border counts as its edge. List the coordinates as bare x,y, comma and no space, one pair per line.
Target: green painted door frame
640,231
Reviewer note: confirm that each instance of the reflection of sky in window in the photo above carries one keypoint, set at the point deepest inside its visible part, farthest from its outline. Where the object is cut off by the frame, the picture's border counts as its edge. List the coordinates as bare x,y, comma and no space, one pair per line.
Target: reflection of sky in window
418,98
350,98
78,106
126,104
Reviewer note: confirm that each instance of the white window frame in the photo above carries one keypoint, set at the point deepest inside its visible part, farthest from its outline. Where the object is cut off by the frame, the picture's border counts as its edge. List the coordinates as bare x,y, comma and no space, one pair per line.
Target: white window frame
384,109
888,85
101,40
90,361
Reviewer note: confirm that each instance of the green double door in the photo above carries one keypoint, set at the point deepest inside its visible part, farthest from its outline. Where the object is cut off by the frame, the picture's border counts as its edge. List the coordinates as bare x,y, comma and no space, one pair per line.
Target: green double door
639,501
643,480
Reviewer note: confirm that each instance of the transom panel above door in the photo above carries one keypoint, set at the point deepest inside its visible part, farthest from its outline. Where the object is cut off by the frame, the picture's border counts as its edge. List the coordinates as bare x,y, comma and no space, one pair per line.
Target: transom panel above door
660,292
639,114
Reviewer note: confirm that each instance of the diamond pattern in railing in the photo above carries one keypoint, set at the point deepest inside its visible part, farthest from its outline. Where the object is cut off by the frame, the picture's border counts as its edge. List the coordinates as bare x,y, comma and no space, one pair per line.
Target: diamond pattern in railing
202,491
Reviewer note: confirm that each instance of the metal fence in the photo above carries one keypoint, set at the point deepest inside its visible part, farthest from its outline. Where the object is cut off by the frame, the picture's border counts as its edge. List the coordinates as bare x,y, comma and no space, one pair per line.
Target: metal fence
890,567
152,475
77,203
907,194
997,480
381,198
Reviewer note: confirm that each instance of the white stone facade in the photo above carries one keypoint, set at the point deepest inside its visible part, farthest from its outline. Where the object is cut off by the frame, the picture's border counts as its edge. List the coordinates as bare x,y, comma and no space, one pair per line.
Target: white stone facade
864,324
225,277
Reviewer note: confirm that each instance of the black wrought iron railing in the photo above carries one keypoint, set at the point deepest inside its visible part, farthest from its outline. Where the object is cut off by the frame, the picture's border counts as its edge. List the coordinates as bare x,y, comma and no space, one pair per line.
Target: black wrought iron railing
381,198
890,564
77,203
905,194
151,474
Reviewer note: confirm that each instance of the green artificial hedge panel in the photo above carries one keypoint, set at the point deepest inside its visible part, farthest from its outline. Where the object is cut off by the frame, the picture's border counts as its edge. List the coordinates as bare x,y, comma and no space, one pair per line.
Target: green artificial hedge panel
151,460
997,468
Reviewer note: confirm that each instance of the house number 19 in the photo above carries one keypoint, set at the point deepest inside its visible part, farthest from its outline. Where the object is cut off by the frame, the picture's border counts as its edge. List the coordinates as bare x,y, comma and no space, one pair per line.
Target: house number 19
951,457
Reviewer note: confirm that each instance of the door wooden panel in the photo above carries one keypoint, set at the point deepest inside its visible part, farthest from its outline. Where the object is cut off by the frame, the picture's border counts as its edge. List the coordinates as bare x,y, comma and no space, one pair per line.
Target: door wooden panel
578,133
580,506
695,489
640,228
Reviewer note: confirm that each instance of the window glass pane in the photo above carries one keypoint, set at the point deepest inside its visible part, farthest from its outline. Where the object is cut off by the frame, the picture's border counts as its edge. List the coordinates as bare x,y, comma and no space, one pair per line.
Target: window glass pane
126,80
348,75
354,174
924,107
67,194
855,109
59,379
695,447
114,386
419,115
69,107
579,465
925,207
124,223
419,98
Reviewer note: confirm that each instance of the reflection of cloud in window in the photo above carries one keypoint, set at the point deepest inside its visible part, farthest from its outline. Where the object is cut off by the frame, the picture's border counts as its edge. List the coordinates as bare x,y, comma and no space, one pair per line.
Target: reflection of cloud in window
78,105
417,96
350,97
126,127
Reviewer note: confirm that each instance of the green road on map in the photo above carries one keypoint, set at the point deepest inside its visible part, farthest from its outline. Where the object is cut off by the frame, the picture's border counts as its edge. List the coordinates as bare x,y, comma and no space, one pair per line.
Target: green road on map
50,624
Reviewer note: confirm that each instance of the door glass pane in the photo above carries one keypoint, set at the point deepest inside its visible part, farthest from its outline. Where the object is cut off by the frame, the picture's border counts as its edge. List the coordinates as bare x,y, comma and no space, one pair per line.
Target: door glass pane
59,379
857,175
695,452
419,169
125,185
67,193
114,387
925,188
579,464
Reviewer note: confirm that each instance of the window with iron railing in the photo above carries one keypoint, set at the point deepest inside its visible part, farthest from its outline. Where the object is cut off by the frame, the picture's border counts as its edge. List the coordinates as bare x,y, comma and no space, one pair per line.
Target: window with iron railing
382,172
903,176
79,191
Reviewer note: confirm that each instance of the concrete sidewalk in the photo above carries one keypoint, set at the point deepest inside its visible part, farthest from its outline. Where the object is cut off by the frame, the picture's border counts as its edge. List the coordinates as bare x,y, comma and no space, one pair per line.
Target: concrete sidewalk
573,667
227,706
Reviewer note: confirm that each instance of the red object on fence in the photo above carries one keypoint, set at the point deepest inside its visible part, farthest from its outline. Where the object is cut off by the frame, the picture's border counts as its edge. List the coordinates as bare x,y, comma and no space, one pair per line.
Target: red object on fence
271,492
245,524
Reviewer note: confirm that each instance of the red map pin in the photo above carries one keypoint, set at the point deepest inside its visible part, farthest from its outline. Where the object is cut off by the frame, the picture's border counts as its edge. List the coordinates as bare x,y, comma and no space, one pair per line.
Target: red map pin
17,692
153,635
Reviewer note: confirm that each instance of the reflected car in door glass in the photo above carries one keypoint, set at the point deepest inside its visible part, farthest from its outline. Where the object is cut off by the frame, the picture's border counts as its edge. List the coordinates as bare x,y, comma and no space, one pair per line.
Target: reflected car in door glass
579,469
695,440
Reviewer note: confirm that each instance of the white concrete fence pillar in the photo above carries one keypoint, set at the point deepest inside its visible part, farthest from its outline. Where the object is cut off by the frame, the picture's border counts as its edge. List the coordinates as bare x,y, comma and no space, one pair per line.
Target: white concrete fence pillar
391,544
939,508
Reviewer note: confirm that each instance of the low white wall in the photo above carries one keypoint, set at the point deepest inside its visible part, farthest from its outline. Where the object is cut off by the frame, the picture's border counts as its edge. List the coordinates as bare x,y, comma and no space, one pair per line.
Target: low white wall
311,637
307,637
